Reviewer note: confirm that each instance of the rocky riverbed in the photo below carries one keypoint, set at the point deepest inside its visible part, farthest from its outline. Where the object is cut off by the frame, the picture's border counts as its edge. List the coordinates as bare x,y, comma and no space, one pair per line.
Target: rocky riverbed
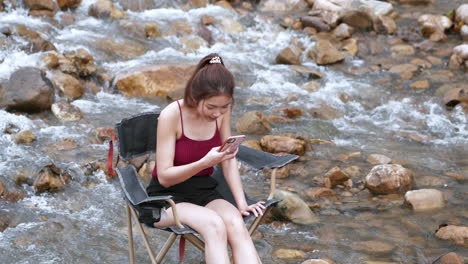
372,95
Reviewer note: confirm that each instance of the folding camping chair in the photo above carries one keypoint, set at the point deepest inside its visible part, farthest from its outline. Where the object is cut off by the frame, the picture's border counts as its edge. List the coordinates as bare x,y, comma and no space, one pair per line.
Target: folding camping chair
136,136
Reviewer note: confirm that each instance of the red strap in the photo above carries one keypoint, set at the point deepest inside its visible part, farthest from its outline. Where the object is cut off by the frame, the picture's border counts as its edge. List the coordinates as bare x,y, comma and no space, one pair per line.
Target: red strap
181,249
110,157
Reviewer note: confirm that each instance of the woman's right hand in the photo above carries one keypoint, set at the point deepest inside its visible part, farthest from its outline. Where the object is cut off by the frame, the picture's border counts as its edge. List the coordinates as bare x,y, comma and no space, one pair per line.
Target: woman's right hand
214,157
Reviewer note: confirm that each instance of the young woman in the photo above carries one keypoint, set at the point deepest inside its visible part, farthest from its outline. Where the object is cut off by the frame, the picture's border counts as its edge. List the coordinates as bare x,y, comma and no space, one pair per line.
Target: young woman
190,132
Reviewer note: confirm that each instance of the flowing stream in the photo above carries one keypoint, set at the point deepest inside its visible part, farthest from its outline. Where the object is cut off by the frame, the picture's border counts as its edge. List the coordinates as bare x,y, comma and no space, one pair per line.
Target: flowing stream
86,223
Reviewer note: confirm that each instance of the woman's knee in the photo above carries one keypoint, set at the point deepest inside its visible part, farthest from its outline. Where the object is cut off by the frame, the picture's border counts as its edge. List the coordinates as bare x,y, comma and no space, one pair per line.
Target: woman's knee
235,224
214,226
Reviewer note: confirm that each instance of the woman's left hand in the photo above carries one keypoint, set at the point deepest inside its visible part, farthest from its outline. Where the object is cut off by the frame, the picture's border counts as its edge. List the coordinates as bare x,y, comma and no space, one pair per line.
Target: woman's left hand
256,209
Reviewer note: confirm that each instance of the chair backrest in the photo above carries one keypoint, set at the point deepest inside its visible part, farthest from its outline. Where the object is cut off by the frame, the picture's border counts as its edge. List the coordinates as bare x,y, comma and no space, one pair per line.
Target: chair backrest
137,135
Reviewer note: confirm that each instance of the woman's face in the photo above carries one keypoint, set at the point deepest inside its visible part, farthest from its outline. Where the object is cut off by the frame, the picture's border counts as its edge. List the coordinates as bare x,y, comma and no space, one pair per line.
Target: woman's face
213,107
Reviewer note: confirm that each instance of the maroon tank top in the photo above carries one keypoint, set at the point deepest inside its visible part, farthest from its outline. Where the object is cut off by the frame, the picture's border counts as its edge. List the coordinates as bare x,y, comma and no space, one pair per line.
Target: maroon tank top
188,150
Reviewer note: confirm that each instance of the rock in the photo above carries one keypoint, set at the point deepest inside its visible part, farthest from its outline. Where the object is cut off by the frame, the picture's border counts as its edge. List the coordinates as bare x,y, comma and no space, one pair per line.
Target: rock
316,261
293,209
455,96
378,159
288,56
281,173
106,9
459,56
311,86
232,26
253,123
325,112
292,112
255,144
155,80
403,49
137,6
2,188
350,45
83,61
66,111
449,258
461,14
4,223
456,176
25,137
434,26
152,30
315,22
352,171
279,144
66,85
389,178
193,43
27,91
325,53
358,19
317,192
464,32
49,60
289,254
65,144
454,234
40,4
343,31
416,2
313,73
373,247
385,25
104,133
51,178
402,68
336,176
424,84
425,199
65,4
283,6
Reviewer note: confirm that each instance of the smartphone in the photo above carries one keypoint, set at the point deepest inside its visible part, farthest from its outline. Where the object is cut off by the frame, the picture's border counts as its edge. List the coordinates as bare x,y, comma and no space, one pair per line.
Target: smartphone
232,143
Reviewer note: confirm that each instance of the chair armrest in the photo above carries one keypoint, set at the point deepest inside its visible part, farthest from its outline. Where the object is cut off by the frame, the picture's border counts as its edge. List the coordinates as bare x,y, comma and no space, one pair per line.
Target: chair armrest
154,201
272,184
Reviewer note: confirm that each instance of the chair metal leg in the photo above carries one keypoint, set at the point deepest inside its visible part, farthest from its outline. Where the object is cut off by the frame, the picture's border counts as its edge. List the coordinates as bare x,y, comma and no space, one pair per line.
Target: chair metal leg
197,242
130,235
145,239
257,220
162,253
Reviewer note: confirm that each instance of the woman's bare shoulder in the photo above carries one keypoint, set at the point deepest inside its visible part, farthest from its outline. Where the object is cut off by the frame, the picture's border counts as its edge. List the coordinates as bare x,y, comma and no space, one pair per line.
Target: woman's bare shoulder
170,113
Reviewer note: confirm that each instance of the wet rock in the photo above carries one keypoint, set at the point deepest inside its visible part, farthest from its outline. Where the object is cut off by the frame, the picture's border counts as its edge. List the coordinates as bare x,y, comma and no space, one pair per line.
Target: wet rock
425,199
324,52
325,111
351,46
106,9
253,123
343,31
287,144
336,176
358,19
289,254
292,112
317,192
434,26
4,223
373,247
41,13
317,261
12,197
455,96
66,85
293,208
305,70
146,171
27,91
65,4
283,6
207,20
232,26
456,176
424,84
430,181
255,144
402,68
199,3
49,60
461,14
66,111
155,80
2,188
378,159
403,49
224,4
65,144
389,178
51,178
454,234
385,25
152,30
352,171
459,56
311,86
316,22
25,137
288,56
104,133
83,61
40,4
193,43
450,258
137,6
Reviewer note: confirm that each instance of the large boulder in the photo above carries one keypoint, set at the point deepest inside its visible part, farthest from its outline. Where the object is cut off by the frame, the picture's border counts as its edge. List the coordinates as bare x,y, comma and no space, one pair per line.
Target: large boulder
454,234
27,91
293,208
253,122
389,178
155,80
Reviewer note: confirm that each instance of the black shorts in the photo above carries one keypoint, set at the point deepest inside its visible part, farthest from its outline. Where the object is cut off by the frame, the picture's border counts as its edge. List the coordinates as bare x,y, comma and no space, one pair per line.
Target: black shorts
199,190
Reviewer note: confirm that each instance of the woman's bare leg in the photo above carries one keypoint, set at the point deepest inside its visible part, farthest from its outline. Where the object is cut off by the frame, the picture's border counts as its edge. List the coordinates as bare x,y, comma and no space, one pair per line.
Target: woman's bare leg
243,248
207,223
